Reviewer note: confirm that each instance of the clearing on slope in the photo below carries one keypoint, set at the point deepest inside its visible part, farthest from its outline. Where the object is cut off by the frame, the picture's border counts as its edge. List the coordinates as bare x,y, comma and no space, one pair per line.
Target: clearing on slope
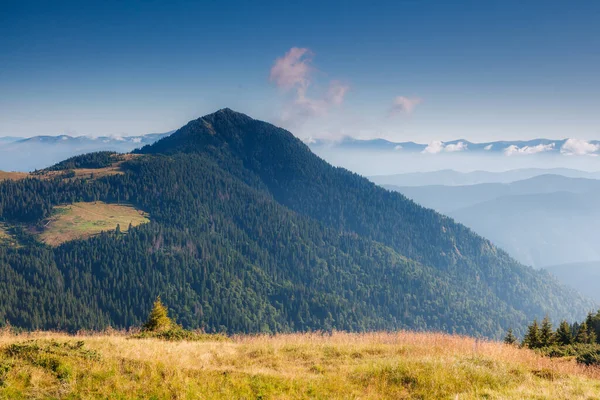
4,175
83,220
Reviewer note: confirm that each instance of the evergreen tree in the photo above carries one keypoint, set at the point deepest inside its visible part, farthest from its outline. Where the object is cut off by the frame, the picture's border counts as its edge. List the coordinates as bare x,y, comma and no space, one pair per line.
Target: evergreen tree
533,337
546,334
563,335
510,338
158,320
583,334
118,230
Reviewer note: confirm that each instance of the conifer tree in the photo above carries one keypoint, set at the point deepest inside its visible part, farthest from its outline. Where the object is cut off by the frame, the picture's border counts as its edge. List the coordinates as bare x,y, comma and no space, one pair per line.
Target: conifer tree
563,335
533,339
510,338
158,320
583,334
118,230
546,334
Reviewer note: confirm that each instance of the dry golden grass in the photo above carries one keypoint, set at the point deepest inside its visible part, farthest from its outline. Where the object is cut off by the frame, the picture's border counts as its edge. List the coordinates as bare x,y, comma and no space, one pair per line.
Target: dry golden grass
12,175
292,366
83,220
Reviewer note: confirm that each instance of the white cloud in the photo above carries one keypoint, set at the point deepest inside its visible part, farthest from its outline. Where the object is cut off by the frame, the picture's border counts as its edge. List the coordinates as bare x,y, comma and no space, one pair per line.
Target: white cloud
579,147
398,147
137,140
404,105
526,150
434,147
460,146
292,72
488,147
437,146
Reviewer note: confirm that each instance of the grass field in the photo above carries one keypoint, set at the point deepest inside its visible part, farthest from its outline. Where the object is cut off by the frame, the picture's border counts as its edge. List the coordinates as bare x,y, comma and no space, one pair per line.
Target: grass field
293,366
12,175
82,220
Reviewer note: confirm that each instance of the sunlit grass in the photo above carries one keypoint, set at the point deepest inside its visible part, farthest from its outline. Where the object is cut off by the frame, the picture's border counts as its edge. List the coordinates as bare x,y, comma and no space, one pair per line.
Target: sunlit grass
292,366
82,220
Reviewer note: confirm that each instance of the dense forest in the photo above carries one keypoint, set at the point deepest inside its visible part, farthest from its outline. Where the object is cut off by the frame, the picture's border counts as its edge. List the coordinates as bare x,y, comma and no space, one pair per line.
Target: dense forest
251,232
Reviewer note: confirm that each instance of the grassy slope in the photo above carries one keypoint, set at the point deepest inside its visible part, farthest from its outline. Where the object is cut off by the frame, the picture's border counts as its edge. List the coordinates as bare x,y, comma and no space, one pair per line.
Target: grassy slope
293,366
13,175
82,220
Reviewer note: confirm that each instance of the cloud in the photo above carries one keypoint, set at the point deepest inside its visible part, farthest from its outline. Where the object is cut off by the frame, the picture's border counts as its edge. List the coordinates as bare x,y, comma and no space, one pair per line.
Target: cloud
137,140
293,69
526,150
460,146
437,146
293,72
579,147
434,147
398,147
488,147
404,105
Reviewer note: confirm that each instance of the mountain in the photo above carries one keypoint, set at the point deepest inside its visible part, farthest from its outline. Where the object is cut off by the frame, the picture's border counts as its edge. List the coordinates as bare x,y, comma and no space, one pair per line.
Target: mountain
582,276
540,221
455,178
534,146
251,232
38,152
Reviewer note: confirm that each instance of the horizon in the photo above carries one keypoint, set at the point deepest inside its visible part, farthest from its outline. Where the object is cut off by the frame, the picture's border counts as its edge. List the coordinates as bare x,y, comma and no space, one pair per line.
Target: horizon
484,71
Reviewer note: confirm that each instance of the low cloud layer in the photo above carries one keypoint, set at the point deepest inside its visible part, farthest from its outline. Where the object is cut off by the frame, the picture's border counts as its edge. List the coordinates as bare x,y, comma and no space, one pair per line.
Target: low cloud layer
526,150
437,146
579,147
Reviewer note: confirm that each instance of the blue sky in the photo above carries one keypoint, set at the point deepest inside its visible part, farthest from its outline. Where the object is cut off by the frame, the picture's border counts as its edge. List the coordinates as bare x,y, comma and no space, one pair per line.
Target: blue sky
403,70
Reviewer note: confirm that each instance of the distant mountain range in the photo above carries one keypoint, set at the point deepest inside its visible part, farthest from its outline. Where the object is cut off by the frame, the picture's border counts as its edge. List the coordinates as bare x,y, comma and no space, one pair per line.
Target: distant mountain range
567,146
545,220
452,178
27,154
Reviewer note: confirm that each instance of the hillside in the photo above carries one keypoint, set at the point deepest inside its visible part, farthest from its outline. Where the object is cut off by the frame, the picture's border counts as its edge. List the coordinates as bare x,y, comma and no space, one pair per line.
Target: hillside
297,366
251,232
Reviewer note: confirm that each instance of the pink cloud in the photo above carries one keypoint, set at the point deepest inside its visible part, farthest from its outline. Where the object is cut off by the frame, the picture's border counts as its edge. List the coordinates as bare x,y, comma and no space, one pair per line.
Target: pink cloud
404,105
292,72
293,69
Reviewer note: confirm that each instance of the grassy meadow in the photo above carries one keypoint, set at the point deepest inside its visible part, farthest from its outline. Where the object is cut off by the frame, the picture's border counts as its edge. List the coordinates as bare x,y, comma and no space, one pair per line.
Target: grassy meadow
82,220
287,366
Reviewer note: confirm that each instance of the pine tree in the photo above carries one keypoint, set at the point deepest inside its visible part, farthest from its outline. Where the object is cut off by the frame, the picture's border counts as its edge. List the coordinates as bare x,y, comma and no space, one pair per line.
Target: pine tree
533,339
583,335
546,334
158,320
118,230
510,338
563,335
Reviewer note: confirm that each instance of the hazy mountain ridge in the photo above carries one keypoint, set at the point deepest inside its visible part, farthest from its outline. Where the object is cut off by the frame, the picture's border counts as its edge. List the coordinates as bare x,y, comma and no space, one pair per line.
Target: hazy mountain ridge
450,177
543,220
510,147
38,152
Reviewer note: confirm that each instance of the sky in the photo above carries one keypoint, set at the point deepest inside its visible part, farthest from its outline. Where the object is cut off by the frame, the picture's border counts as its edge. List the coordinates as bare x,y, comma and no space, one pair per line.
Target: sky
400,70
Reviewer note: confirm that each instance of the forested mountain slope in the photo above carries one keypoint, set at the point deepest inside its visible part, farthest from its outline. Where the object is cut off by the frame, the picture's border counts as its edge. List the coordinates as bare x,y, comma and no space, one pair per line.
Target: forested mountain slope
252,232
